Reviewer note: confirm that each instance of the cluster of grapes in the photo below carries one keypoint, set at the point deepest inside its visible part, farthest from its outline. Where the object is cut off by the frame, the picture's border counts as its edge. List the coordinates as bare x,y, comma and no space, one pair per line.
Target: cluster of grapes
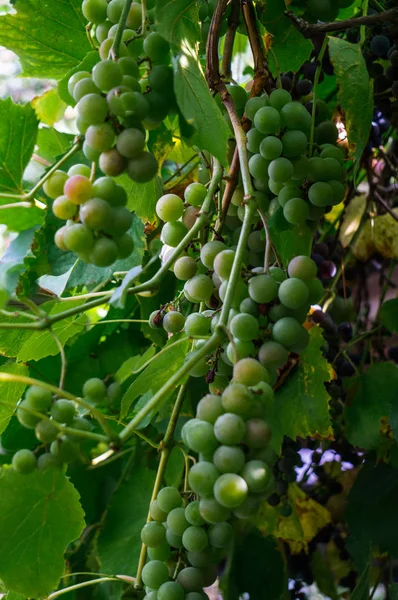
306,188
57,424
382,62
96,215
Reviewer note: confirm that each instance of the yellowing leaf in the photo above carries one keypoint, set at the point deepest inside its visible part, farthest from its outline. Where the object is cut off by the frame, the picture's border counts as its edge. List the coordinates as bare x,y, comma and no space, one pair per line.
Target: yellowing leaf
49,107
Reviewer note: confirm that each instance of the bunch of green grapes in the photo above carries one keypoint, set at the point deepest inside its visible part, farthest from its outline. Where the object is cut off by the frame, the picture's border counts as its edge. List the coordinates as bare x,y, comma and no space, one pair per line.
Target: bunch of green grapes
97,219
278,142
54,421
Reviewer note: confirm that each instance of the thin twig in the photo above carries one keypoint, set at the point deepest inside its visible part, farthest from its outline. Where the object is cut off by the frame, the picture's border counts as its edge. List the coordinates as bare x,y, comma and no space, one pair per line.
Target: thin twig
384,204
63,358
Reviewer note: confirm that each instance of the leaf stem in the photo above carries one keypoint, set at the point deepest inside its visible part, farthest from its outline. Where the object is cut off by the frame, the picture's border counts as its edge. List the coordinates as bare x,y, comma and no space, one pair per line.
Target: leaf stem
63,358
114,52
365,8
163,351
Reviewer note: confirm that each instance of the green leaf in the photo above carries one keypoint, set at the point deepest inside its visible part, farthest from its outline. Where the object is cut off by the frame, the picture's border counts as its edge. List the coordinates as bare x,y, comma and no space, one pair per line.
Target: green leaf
18,130
198,106
371,397
49,37
56,284
291,49
389,315
40,515
12,265
372,508
156,374
49,107
355,90
175,467
86,64
119,542
133,364
14,596
361,591
52,143
118,298
289,240
301,405
257,569
10,392
323,575
178,21
142,197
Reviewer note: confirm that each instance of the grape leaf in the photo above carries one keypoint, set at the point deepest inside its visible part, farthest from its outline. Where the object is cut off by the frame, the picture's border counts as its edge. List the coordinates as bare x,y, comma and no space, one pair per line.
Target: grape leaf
13,264
156,374
40,515
372,508
291,49
301,405
289,240
10,392
52,143
389,315
49,107
119,541
14,596
355,90
142,197
175,467
118,298
198,106
370,398
178,20
49,37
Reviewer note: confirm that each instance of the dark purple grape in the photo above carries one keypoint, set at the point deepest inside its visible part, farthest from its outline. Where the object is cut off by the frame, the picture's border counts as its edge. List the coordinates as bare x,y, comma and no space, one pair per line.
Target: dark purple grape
381,84
287,82
304,87
327,270
345,331
274,499
392,73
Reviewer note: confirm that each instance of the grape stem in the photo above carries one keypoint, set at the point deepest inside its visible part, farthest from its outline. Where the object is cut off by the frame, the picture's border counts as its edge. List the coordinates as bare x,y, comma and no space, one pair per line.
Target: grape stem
165,446
315,89
63,358
79,586
262,76
114,51
233,22
365,8
268,244
144,15
163,351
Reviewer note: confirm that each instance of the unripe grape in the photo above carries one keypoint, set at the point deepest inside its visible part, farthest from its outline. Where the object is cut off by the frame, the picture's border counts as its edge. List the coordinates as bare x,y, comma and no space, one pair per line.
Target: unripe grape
78,189
104,252
189,217
192,514
262,289
273,355
293,293
212,511
175,541
223,263
83,88
209,252
79,169
156,47
209,408
280,170
95,388
267,120
195,539
46,431
236,398
244,327
24,461
296,211
250,372
80,424
125,245
63,411
47,461
201,478
254,104
248,508
119,222
195,194
199,288
89,153
294,143
59,238
112,163
157,513
155,572
143,167
229,459
238,350
92,109
27,419
100,137
271,148
286,331
78,238
168,498
196,325
75,78
230,490
161,552
94,10
279,98
229,429
200,436
176,521
39,398
295,116
173,321
221,535
65,450
130,143
258,434
153,534
185,268
257,475
95,213
173,233
169,207
54,185
258,168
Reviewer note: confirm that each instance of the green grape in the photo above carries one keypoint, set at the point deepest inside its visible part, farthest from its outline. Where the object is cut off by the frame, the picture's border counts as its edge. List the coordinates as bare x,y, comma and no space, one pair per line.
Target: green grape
199,288
338,191
151,595
229,429
326,133
201,478
79,169
95,213
114,10
89,153
169,207
333,170
209,252
24,462
59,238
175,541
296,211
273,355
63,411
254,139
236,398
333,152
47,461
75,78
104,252
104,188
92,109
156,47
95,388
212,512
267,120
262,289
238,350
46,431
278,274
120,221
253,105
195,194
255,242
173,233
265,390
134,17
38,398
300,168
321,194
168,498
171,590
286,331
116,104
245,327
143,167
153,534
248,371
229,459
78,189
160,77
258,167
192,514
100,137
221,535
54,186
161,552
78,238
279,98
134,104
129,66
239,96
112,163
65,450
200,369
316,169
191,579
258,434
83,88
230,490
223,263
197,325
257,475
173,321
248,508
271,148
294,143
249,306
155,572
209,408
106,47
195,539
130,143
302,267
280,170
156,512
200,436
201,559
295,116
316,291
80,424
125,245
